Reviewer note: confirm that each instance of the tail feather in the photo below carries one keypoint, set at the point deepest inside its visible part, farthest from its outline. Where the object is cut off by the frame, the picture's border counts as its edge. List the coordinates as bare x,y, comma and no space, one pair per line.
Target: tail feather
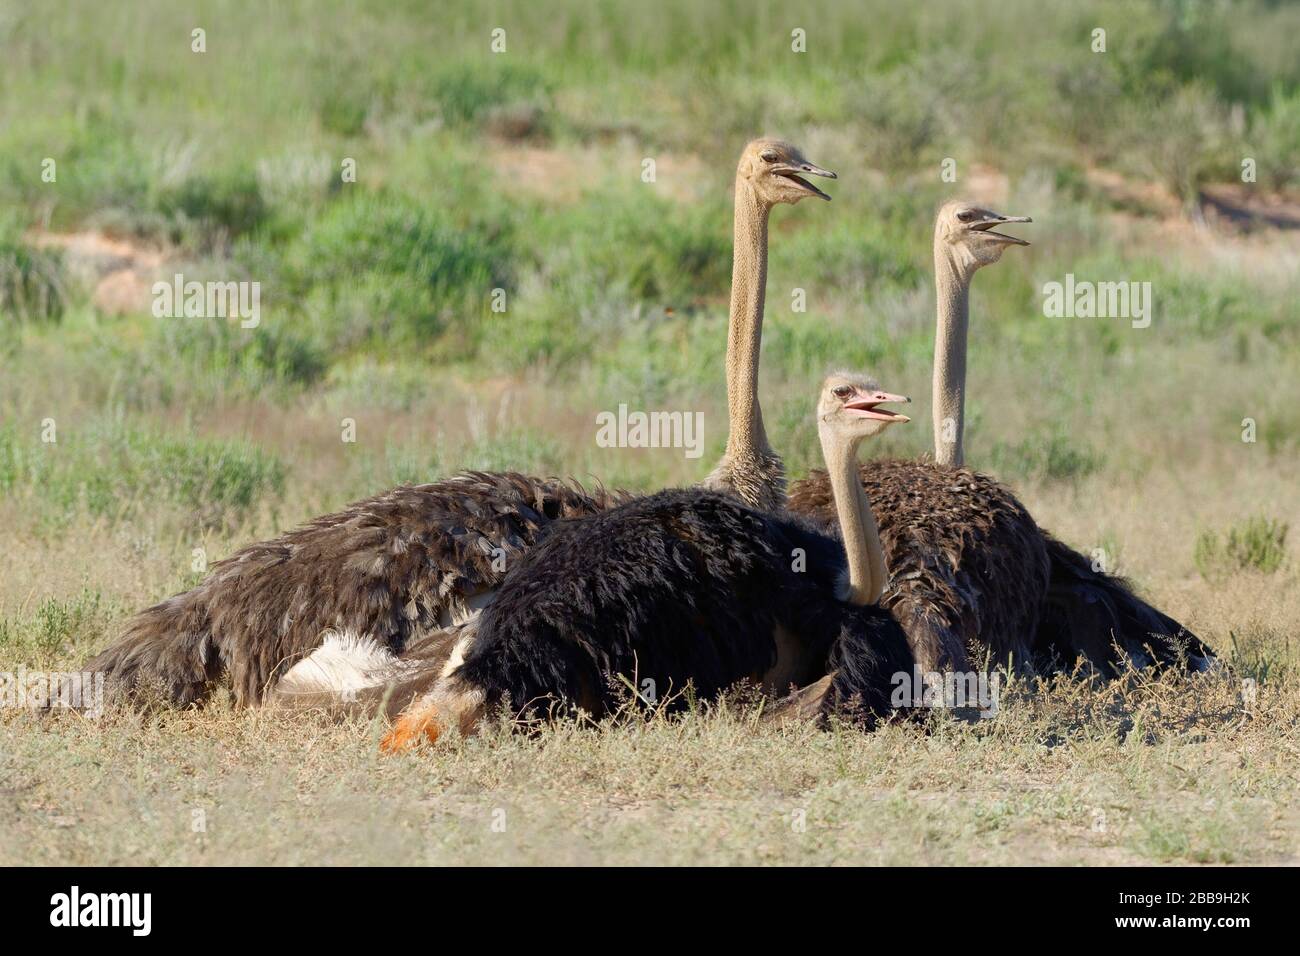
387,699
367,687
165,655
1096,617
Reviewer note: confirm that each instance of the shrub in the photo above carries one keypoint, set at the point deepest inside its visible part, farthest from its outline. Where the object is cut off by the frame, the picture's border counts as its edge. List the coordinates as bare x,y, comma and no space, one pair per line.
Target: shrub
464,92
1275,140
652,248
32,284
56,625
272,353
383,269
1051,457
1257,544
226,204
1179,142
852,255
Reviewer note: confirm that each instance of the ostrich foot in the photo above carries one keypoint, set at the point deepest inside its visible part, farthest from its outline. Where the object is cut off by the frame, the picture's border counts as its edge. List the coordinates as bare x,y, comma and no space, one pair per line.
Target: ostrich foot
417,723
808,703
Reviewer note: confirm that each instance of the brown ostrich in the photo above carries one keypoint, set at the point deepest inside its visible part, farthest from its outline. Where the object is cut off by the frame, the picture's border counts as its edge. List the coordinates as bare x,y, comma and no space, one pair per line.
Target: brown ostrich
328,604
968,564
973,578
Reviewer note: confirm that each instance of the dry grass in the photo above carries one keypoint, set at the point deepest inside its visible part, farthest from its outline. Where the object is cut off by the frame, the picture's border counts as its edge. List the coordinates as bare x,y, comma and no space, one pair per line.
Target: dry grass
1138,772
1171,771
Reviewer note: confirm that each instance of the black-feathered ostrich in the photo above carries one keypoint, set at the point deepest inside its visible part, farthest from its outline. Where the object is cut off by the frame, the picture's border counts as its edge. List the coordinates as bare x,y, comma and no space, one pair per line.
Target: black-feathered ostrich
339,597
688,585
973,576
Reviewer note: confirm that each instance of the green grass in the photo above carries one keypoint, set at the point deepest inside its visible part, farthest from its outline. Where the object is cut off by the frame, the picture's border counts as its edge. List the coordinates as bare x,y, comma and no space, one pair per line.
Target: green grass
408,255
1048,457
33,285
112,469
1256,544
55,628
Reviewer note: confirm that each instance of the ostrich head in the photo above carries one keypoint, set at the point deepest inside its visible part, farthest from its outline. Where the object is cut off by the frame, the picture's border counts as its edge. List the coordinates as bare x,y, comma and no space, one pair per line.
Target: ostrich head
772,169
849,408
965,230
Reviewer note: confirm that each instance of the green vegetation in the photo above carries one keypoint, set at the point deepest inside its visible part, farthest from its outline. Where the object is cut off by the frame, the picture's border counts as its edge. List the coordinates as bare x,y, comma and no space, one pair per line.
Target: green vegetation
115,470
1257,544
55,628
1050,458
240,174
32,283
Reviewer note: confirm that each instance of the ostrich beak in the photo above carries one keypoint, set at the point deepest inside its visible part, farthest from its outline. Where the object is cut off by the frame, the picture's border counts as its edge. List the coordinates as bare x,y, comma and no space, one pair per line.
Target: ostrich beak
986,227
791,172
867,406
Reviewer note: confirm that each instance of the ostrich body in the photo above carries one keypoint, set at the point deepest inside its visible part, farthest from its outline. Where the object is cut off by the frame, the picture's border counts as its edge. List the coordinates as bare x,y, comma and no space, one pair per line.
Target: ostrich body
687,585
375,576
968,565
324,606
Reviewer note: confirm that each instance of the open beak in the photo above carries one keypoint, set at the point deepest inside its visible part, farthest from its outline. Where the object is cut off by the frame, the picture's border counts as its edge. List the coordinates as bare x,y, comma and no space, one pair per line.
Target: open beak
868,406
793,173
987,225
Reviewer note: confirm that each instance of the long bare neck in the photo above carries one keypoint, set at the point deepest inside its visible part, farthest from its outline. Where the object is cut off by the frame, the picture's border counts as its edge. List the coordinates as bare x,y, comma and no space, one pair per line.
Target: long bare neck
952,289
745,332
866,557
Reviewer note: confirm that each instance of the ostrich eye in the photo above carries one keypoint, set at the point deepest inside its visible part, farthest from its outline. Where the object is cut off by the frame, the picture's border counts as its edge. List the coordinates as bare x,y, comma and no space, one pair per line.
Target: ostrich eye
842,391
769,156
965,215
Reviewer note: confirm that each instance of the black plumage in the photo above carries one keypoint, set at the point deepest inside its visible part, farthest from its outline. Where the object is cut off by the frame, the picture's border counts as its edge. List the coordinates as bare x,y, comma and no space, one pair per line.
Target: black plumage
1095,617
681,585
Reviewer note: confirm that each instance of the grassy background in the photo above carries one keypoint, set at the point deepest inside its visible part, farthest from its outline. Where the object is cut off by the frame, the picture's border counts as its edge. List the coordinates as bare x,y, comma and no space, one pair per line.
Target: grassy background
522,171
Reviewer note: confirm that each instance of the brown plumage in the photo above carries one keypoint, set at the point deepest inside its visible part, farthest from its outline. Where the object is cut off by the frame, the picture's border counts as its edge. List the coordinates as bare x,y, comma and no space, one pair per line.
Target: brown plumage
392,568
973,579
968,566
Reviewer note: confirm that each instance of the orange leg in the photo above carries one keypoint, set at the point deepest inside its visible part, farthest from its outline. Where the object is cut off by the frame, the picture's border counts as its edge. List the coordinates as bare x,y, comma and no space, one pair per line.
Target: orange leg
417,722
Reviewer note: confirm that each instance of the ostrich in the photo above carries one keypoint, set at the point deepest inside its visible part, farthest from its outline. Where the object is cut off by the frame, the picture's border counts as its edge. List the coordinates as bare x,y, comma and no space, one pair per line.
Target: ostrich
768,173
1085,613
339,597
688,585
973,574
354,587
969,565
